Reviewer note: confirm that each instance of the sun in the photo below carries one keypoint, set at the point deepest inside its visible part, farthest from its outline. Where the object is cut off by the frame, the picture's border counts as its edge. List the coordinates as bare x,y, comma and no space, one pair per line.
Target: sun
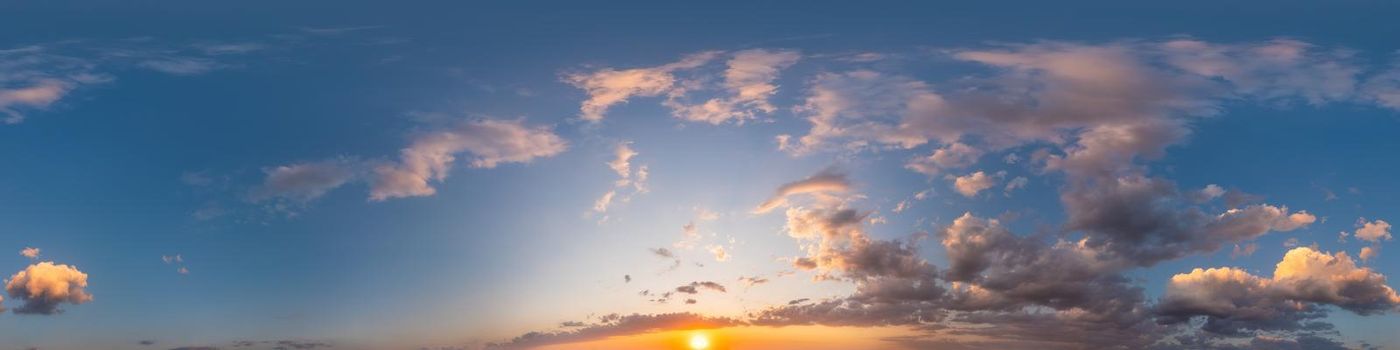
699,341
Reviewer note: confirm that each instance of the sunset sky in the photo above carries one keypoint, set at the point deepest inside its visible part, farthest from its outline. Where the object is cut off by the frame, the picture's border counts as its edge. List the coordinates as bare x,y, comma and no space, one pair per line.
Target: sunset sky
701,175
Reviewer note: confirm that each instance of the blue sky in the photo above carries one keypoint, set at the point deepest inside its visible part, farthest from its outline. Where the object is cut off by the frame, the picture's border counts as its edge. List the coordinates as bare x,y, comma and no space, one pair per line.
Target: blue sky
456,175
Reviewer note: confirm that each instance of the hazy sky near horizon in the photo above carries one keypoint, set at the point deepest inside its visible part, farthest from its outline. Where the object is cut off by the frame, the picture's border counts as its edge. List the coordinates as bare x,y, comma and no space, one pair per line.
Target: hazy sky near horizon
560,175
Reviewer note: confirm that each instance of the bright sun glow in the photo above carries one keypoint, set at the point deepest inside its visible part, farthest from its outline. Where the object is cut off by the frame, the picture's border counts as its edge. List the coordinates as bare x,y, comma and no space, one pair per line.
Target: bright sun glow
699,341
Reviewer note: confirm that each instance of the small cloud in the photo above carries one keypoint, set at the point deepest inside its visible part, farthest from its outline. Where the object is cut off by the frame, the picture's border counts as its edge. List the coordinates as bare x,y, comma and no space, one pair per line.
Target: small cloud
1374,231
29,252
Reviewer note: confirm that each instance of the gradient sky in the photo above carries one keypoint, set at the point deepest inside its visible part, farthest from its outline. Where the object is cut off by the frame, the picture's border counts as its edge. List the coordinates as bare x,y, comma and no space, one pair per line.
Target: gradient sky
627,175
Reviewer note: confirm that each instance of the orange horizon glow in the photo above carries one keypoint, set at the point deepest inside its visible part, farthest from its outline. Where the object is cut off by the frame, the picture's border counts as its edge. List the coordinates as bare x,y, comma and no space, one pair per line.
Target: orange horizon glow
751,337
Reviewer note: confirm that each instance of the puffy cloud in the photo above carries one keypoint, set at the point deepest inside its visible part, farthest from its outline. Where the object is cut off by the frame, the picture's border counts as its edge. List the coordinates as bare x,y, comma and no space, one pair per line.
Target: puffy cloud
1368,253
1145,220
1374,231
607,87
42,287
615,325
304,181
29,252
1234,300
490,142
1003,272
823,183
969,185
1309,275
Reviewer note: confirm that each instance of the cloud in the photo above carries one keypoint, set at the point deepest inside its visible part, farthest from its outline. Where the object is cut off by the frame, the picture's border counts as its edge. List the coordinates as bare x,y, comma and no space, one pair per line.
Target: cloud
695,287
750,281
1233,300
1374,231
627,178
853,109
952,156
29,252
1015,184
969,185
38,76
42,287
490,142
615,325
622,163
608,87
749,78
1145,220
302,182
825,182
1368,253
719,253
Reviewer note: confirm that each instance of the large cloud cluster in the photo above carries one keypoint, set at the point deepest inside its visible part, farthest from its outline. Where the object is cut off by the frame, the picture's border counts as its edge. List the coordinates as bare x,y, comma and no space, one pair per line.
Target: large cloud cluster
1233,300
1093,115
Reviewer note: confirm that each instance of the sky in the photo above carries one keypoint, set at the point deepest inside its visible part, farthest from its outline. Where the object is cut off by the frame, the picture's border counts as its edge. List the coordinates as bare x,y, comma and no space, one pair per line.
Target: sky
717,175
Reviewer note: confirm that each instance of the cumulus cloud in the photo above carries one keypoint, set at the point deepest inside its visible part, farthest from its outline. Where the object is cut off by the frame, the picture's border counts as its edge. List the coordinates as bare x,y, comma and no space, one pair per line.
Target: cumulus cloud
489,142
42,287
1374,231
29,252
303,182
1233,300
969,185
